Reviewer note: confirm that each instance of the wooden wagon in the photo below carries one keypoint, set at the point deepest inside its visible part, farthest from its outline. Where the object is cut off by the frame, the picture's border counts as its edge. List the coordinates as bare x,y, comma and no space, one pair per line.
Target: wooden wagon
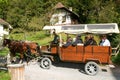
90,55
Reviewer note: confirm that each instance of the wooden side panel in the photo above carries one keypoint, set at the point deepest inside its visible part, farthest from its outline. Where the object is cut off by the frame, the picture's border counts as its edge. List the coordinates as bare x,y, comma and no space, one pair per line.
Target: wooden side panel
88,49
54,50
80,52
72,53
102,53
44,48
100,49
68,53
88,53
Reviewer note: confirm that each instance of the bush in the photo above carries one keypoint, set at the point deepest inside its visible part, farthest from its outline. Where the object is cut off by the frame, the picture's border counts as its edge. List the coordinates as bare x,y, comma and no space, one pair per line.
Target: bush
4,52
116,59
18,30
114,39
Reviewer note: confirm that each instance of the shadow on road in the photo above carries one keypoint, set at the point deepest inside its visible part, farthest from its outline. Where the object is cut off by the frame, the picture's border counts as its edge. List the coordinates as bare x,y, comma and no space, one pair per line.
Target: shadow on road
116,72
79,66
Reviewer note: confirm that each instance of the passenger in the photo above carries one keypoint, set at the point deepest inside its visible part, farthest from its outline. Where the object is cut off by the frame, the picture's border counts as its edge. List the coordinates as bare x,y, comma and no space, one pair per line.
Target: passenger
93,41
55,41
77,40
68,42
89,40
62,42
104,41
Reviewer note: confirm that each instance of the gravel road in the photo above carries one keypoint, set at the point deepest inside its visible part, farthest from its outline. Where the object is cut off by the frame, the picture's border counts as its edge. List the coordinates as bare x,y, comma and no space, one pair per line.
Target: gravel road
68,71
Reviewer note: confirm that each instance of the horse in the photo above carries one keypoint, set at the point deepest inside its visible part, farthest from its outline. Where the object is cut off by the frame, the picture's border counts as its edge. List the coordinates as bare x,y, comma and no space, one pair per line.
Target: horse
33,50
25,49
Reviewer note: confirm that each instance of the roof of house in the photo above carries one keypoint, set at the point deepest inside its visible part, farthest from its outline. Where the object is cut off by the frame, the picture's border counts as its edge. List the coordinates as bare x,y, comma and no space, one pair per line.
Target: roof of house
61,6
3,22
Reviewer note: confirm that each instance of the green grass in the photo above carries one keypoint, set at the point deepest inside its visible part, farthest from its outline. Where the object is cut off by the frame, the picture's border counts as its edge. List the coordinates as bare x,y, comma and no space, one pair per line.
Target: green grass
4,52
4,75
40,37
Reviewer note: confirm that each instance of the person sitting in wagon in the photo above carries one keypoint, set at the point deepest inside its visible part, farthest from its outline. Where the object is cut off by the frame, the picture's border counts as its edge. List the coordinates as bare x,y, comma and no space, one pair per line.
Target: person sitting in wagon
89,40
77,40
68,42
104,41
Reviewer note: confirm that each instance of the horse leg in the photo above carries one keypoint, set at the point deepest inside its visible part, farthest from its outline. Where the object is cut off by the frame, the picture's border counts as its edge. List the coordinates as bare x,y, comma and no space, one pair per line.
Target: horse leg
38,49
21,58
12,57
28,54
8,59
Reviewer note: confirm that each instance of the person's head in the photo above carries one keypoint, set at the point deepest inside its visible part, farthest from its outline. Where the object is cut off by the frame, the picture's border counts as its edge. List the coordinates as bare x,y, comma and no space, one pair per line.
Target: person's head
54,33
54,30
88,36
104,37
79,36
91,37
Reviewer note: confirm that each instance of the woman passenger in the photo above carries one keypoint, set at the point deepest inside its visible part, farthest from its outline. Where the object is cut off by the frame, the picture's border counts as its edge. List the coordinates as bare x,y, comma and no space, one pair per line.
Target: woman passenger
89,40
77,40
68,42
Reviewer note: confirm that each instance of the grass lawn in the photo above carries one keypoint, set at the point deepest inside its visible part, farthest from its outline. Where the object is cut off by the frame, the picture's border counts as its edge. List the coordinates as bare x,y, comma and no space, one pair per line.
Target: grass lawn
4,52
40,37
4,75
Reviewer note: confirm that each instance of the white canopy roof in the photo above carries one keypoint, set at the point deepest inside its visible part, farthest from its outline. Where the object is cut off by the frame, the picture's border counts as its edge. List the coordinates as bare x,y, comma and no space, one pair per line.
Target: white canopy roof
105,28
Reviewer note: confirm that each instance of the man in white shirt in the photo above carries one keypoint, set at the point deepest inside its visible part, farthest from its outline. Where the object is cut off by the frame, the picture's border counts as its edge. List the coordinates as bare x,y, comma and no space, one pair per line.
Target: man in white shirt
104,41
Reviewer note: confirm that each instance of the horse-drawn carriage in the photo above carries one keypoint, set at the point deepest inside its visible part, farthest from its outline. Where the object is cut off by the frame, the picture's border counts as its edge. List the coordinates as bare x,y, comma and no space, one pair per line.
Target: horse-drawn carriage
90,55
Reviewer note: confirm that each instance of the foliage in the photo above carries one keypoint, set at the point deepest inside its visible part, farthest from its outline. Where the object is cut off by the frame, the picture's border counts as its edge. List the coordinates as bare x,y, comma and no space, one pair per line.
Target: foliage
35,25
4,75
18,30
39,37
114,39
34,14
116,59
4,52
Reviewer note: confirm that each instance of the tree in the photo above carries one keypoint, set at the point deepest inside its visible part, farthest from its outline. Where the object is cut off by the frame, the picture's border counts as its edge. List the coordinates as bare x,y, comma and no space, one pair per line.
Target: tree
3,8
20,13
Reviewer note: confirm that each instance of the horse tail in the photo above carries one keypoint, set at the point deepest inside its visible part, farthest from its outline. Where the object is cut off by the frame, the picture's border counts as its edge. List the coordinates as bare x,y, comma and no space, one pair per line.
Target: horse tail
38,49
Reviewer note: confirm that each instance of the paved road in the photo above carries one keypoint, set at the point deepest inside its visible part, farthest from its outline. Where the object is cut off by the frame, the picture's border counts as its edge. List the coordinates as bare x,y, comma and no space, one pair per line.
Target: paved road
68,71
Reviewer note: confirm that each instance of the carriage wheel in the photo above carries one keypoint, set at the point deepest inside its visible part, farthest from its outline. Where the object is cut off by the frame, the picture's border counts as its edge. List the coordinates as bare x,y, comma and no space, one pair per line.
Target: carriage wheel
45,63
91,68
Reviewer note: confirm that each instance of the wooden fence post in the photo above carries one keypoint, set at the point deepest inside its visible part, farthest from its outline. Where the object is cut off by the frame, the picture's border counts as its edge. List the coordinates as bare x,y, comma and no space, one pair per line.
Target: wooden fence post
16,71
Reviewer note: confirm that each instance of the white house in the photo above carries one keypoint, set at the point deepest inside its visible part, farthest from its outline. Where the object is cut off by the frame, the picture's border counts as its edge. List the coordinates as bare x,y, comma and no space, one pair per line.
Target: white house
4,29
60,16
63,16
